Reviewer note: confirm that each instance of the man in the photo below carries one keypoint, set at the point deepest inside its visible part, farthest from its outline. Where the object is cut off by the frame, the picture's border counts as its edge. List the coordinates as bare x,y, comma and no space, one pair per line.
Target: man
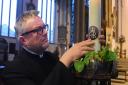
35,66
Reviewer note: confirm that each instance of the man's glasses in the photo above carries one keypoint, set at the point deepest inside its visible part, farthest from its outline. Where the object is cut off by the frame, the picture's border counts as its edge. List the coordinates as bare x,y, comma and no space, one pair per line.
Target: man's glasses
39,29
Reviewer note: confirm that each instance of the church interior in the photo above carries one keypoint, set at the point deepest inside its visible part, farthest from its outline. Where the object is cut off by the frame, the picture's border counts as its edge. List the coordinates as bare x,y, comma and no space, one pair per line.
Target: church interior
69,23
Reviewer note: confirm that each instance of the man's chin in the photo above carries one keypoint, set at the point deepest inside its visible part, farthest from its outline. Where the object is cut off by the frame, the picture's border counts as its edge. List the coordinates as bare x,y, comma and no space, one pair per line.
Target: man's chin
46,46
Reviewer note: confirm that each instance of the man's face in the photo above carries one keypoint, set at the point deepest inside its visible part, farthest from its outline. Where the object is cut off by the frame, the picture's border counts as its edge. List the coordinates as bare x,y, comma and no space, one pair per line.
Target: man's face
36,39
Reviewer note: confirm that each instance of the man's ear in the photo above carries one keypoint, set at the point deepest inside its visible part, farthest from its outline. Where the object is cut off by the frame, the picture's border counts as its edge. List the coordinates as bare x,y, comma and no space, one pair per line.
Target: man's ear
22,40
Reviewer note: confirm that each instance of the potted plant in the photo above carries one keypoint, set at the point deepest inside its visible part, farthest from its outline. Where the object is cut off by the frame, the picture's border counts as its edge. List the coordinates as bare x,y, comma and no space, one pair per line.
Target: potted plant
96,61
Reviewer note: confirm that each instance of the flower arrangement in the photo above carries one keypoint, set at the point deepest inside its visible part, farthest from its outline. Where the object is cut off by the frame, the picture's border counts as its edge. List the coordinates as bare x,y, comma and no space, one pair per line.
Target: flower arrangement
105,54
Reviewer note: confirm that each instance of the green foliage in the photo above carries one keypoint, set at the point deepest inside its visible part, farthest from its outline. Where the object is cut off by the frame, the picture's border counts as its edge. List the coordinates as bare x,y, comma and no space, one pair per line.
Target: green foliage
79,65
105,54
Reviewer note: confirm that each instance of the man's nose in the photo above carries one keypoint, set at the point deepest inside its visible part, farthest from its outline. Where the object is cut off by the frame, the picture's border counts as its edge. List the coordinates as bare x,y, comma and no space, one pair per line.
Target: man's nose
45,31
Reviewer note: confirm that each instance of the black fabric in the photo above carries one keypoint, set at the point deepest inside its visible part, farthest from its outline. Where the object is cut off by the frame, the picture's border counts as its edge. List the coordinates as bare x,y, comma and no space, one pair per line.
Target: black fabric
3,50
29,69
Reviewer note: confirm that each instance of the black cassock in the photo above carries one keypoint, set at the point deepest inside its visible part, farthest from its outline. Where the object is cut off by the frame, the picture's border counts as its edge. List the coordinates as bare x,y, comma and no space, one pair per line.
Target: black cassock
30,69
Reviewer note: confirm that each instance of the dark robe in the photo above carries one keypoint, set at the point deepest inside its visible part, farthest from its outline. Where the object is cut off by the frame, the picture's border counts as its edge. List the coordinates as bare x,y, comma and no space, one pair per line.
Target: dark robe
30,69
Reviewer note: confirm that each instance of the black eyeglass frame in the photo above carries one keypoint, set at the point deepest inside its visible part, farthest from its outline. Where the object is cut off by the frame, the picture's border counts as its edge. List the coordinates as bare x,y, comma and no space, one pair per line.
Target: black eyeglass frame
36,30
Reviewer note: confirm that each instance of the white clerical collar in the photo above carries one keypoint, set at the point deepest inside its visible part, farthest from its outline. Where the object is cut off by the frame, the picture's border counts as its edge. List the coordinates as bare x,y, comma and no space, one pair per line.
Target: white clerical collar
41,56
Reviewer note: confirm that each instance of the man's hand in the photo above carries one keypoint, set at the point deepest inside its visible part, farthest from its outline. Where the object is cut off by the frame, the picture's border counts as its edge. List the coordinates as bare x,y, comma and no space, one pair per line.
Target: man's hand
77,51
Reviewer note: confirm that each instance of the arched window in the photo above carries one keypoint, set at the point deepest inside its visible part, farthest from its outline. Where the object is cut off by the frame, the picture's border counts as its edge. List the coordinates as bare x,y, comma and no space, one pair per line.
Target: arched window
46,9
7,17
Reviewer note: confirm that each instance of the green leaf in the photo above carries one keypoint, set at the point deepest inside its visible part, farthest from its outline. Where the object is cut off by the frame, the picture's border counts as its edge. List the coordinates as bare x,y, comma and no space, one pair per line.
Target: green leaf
88,57
79,65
